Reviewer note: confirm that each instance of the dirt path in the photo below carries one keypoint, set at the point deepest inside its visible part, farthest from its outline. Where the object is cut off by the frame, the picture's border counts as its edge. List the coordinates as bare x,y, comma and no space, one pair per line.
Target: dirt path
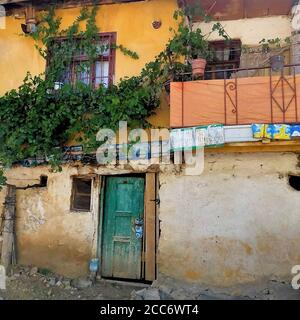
32,284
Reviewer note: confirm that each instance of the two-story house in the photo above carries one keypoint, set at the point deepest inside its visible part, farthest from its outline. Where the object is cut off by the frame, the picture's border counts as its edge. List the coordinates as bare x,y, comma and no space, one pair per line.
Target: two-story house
235,222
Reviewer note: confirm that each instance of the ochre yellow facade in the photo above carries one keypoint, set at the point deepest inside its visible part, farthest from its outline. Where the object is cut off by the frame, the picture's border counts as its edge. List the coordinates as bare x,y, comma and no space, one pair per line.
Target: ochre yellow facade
131,21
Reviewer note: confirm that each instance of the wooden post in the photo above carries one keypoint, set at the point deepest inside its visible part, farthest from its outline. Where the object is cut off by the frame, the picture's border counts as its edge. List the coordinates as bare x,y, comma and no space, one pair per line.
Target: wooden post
8,226
150,227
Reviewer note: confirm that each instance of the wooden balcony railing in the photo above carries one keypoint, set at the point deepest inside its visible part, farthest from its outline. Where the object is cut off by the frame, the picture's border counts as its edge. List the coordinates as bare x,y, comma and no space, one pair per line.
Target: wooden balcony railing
274,98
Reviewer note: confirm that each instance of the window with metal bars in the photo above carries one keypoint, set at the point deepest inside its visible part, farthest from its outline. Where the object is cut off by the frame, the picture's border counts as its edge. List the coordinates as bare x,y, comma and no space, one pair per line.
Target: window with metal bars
99,72
226,57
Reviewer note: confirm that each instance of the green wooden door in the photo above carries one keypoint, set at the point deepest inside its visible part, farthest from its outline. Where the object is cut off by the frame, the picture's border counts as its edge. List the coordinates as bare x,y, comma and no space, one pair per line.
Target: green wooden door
123,227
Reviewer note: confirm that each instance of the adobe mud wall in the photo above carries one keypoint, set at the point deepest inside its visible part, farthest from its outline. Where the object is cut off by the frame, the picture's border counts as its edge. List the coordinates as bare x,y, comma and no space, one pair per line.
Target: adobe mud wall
236,223
49,234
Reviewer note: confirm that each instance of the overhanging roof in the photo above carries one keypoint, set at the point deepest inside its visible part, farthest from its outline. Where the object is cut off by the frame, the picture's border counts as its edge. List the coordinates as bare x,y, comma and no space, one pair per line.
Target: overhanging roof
240,9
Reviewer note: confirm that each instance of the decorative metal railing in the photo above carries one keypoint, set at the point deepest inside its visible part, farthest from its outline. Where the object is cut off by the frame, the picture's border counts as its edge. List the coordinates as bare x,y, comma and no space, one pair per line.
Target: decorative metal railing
238,98
231,89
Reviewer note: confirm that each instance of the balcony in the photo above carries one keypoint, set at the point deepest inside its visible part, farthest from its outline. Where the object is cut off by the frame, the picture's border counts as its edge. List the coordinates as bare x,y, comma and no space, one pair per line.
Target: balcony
238,100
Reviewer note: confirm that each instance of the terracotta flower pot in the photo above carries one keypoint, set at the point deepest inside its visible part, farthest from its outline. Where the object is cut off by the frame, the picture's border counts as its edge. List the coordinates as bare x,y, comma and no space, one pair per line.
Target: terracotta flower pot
198,67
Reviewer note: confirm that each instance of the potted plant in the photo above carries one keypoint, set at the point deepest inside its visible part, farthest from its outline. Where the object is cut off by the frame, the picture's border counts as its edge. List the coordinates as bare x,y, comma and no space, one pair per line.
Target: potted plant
273,49
277,62
191,43
200,52
187,51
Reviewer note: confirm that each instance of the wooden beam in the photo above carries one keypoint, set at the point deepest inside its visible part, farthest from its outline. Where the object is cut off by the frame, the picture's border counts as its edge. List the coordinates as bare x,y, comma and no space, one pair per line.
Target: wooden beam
274,146
8,226
150,227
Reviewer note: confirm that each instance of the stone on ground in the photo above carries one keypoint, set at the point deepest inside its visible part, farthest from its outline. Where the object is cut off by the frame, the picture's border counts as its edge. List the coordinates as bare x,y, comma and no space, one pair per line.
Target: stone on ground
81,283
33,271
146,294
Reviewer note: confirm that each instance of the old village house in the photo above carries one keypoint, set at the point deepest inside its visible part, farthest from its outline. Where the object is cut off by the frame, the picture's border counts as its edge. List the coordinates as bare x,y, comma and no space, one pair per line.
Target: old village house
238,221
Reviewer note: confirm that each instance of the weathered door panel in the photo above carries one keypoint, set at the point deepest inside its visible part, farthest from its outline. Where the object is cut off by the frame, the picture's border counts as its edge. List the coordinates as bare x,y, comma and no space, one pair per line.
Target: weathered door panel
123,211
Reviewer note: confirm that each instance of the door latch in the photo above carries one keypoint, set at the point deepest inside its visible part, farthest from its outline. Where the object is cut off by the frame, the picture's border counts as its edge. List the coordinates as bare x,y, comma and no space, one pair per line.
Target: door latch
157,201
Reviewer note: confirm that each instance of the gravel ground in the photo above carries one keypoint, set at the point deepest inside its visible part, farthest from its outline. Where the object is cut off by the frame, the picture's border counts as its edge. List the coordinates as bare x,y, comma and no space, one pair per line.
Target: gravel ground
31,283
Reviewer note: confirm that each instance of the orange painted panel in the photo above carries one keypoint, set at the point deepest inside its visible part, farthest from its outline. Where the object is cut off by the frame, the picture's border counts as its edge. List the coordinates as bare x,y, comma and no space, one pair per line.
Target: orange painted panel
206,102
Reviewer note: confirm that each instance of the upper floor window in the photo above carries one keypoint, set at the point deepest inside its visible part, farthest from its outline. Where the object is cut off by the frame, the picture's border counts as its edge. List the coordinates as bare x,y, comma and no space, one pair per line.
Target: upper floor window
227,56
100,71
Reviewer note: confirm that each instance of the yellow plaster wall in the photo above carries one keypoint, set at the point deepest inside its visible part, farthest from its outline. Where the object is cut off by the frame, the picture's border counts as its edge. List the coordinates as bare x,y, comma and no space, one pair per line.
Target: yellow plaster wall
17,56
131,21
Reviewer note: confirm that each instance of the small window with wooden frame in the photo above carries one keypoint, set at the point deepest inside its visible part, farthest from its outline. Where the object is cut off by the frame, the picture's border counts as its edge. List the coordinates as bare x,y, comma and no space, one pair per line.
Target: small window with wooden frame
99,72
227,55
81,199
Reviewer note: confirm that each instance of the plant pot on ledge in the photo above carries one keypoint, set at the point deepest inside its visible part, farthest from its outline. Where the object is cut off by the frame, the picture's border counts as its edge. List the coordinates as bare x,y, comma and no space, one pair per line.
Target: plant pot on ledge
277,63
198,66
